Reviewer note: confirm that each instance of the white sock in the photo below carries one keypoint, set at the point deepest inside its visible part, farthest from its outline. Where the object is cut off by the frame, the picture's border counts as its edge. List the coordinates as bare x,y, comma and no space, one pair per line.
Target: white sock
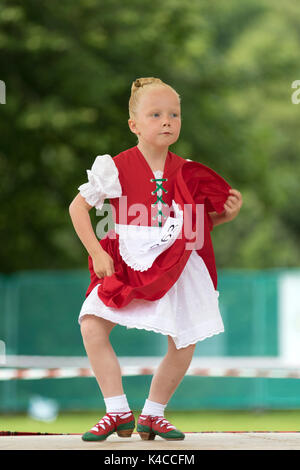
117,404
153,408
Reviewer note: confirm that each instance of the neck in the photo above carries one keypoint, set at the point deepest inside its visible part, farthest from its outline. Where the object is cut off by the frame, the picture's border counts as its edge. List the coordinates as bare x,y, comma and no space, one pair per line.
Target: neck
155,156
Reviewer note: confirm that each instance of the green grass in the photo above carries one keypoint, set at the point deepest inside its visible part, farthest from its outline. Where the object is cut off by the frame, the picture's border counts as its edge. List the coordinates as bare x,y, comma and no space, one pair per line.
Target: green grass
193,421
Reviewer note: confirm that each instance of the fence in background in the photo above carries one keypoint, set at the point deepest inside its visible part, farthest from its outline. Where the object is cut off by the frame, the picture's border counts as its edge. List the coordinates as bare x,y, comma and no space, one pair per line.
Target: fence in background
39,312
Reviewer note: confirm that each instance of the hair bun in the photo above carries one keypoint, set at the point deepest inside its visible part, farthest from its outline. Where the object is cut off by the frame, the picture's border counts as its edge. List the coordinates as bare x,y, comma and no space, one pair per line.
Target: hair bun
136,90
138,83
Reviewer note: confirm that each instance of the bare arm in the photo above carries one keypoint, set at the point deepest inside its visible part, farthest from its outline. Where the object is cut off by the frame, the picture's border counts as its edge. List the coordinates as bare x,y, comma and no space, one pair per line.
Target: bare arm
217,219
79,213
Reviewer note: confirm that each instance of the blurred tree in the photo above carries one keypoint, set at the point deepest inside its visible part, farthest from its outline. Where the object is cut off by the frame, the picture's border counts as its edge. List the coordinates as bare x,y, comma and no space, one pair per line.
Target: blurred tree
68,68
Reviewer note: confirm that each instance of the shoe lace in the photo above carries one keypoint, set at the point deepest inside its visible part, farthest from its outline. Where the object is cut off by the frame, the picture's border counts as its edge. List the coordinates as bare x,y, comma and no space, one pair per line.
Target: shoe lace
109,419
163,422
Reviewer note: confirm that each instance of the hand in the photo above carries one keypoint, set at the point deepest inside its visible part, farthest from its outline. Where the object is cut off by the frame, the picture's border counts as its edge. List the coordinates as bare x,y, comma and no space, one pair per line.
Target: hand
233,204
103,264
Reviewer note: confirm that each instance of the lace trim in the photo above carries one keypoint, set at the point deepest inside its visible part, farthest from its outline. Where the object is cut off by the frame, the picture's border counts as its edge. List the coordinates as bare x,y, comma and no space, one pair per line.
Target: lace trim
92,197
121,322
129,260
140,256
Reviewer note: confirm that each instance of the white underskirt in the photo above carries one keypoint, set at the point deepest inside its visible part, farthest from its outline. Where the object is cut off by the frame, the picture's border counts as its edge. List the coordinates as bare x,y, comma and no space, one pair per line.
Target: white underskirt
189,311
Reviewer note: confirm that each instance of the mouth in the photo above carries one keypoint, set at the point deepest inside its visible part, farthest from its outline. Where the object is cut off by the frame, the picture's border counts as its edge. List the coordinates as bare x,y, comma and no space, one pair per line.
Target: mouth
166,133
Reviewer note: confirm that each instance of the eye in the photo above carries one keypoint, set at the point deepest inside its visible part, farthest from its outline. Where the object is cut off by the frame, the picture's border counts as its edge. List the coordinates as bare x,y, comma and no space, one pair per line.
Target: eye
155,114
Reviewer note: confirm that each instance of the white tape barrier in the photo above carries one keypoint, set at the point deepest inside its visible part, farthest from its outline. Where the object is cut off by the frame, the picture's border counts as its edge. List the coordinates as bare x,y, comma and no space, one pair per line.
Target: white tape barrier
40,367
203,362
72,372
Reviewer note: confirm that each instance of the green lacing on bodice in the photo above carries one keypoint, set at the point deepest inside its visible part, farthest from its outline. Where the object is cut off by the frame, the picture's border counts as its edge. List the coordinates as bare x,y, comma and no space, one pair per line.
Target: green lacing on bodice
159,185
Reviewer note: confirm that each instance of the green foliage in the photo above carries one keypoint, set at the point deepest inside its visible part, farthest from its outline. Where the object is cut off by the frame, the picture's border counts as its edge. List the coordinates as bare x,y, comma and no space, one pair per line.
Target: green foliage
68,67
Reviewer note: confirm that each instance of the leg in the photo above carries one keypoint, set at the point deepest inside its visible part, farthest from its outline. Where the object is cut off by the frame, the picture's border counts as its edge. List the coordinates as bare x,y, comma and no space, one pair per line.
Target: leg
164,383
95,333
118,418
170,372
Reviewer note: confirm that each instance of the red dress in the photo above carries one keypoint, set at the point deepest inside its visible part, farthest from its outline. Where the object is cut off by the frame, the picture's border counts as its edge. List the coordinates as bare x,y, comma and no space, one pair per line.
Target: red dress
186,183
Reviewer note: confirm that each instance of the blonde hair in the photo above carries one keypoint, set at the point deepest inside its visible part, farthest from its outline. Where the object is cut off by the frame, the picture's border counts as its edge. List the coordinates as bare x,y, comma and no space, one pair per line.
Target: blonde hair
139,86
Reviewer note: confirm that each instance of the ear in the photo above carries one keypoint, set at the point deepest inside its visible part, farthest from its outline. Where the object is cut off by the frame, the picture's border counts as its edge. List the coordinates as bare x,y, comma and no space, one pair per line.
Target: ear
132,126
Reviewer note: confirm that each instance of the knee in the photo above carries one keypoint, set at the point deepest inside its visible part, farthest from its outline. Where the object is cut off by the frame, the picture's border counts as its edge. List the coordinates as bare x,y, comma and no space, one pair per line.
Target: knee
87,329
92,330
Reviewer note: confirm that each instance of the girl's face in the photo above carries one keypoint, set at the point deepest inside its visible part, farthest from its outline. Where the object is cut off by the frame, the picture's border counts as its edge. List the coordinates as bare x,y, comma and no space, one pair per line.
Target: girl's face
158,119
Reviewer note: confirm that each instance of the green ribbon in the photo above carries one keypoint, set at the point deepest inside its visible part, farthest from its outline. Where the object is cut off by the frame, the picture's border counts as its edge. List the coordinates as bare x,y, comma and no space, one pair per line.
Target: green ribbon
159,186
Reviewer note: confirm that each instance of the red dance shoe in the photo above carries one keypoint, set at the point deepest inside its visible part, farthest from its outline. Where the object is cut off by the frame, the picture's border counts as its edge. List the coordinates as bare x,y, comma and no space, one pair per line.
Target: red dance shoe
150,426
121,423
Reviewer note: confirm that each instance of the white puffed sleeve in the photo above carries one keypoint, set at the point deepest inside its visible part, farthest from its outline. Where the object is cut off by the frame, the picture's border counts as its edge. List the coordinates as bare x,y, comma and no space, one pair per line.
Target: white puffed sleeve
103,182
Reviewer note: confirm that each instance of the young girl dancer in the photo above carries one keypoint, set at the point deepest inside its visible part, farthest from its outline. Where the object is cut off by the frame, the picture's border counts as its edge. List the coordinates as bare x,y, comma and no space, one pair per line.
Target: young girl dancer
154,271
